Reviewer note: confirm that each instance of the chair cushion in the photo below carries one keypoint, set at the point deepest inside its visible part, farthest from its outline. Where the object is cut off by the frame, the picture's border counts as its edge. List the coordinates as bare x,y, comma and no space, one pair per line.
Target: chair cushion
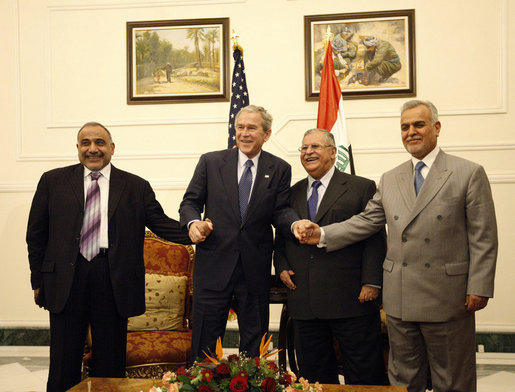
163,258
165,298
158,347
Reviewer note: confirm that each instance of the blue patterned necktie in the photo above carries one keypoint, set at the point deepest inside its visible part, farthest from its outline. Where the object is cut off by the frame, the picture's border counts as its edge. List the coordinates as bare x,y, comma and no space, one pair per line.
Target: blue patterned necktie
419,180
244,188
313,201
89,240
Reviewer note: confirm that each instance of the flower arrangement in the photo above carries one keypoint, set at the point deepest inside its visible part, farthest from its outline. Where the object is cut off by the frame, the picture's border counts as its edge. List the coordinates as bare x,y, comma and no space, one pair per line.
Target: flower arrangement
237,373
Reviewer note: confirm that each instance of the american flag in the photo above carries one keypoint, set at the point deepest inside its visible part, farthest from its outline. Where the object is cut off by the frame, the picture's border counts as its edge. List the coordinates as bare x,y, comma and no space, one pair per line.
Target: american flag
239,94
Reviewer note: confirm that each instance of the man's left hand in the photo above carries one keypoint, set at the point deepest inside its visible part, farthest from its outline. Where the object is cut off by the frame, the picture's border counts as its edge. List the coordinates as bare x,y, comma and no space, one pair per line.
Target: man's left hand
368,293
475,302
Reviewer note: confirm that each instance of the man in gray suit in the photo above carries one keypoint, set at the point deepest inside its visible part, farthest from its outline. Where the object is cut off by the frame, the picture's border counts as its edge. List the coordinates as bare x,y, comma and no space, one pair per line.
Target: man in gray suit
440,263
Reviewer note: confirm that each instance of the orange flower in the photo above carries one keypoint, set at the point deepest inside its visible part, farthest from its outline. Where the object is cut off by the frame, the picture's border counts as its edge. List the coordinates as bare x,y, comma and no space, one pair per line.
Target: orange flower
263,347
219,352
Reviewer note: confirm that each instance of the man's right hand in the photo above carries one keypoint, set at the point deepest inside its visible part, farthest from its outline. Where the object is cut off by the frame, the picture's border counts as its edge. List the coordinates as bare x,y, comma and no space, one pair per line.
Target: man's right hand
286,278
200,230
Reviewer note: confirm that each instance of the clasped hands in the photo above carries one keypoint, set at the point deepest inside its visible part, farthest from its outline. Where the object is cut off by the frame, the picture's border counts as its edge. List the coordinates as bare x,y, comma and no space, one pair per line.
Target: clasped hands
200,230
306,232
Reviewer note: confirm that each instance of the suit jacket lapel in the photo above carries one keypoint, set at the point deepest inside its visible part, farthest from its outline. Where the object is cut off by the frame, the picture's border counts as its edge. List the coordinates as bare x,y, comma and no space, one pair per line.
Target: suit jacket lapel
334,191
264,174
435,180
300,199
77,184
229,176
406,185
116,186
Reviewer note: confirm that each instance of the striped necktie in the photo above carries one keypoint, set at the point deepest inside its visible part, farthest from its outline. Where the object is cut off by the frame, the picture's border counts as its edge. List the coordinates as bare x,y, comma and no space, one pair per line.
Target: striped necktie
89,241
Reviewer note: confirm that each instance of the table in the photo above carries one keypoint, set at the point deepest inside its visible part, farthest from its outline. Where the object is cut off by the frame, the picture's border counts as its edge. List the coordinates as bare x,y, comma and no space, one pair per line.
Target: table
142,384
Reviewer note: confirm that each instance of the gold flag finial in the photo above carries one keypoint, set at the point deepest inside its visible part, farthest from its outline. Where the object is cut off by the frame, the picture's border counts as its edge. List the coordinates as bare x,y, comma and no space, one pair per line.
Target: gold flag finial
328,36
234,38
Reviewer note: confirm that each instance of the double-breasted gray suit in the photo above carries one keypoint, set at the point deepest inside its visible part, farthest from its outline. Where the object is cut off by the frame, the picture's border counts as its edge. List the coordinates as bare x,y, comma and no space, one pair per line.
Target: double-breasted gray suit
442,244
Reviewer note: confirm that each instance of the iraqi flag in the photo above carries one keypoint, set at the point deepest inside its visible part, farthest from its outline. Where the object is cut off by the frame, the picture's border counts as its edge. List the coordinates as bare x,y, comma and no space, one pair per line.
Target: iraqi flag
331,115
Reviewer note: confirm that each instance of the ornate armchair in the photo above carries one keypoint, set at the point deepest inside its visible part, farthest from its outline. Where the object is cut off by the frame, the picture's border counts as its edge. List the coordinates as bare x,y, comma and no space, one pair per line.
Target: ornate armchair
160,339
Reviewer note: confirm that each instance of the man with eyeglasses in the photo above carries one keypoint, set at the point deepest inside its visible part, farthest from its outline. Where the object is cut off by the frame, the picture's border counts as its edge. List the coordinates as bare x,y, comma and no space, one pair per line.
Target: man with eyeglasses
333,296
243,192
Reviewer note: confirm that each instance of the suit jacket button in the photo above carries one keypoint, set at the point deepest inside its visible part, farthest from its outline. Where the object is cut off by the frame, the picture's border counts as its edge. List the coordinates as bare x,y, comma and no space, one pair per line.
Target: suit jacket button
396,217
426,240
404,264
439,217
404,239
427,265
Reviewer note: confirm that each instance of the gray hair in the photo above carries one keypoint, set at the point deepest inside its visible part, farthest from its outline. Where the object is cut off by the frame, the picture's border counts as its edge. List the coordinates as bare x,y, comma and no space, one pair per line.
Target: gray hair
95,124
329,137
417,102
266,118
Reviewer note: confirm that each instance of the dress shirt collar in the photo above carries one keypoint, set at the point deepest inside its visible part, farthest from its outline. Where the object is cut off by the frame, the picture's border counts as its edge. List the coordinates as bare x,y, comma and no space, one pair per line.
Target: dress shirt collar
242,159
324,180
106,171
428,160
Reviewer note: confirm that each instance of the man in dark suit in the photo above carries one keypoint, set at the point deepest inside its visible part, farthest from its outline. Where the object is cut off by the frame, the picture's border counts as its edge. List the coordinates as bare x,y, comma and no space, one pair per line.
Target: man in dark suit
243,191
86,256
333,296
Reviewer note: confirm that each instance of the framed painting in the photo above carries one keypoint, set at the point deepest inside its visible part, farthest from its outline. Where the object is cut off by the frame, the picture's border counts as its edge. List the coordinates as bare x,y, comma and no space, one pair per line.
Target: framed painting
373,53
172,61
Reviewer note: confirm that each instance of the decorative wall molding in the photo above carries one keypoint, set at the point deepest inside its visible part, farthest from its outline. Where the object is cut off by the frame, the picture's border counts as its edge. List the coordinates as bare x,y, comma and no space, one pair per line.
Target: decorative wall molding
182,184
59,6
102,5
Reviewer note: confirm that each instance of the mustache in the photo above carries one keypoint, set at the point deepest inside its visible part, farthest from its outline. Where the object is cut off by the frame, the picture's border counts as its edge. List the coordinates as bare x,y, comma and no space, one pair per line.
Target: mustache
410,138
94,154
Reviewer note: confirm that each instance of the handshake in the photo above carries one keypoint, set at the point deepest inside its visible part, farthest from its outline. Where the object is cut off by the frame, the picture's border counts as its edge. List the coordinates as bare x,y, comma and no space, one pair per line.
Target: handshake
306,232
200,230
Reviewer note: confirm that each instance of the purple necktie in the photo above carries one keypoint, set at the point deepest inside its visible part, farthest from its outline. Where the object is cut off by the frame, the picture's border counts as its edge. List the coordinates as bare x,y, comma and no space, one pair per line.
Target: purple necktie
89,242
313,201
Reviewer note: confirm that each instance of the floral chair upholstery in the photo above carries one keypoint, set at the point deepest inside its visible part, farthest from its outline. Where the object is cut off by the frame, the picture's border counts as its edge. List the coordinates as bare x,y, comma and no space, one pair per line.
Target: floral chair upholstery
160,339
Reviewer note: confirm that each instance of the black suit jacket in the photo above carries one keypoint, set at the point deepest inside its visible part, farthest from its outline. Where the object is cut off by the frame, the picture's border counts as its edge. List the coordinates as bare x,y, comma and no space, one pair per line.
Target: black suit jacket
53,235
214,190
328,284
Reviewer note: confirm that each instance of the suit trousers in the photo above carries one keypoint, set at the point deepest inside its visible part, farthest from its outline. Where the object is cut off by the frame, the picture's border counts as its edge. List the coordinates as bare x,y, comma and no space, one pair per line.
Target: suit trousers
449,347
91,302
360,343
210,311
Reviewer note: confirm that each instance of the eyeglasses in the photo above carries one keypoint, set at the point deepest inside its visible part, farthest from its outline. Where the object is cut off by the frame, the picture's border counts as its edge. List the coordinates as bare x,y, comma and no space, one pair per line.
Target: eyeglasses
316,147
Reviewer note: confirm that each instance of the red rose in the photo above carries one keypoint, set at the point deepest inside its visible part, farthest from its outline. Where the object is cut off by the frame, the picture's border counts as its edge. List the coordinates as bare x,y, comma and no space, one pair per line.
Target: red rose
207,374
273,367
285,379
204,388
258,360
181,371
238,383
222,370
268,385
232,358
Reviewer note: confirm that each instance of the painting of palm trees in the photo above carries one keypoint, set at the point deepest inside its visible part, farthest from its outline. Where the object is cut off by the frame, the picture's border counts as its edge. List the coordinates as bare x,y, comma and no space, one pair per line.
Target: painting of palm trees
177,61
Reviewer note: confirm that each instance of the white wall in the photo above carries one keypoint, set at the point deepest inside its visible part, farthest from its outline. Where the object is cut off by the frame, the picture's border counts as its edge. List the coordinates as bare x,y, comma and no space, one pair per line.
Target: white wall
63,63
